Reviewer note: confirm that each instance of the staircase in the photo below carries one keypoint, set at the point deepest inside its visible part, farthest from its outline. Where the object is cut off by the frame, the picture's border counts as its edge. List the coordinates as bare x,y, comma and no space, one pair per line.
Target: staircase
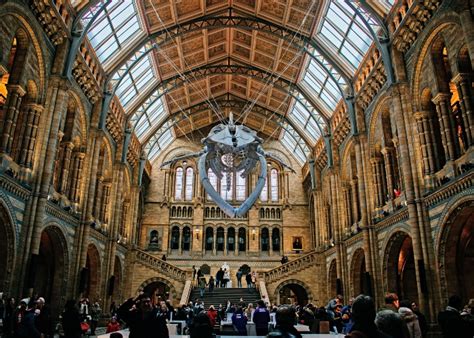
222,295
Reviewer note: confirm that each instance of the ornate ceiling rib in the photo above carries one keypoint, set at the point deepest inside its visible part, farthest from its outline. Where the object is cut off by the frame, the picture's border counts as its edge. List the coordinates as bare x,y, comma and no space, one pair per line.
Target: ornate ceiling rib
246,71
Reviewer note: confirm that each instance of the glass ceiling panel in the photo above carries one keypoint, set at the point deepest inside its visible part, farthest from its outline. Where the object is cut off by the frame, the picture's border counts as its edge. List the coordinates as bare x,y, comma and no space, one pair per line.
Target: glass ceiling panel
345,32
139,77
159,141
300,116
295,145
115,27
320,86
152,112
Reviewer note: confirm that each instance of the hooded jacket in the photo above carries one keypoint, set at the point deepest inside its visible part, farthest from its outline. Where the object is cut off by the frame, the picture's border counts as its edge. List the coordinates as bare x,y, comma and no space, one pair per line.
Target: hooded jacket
412,322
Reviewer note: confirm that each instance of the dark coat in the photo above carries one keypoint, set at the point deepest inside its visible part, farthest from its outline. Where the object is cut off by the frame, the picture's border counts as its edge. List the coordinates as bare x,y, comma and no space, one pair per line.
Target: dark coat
151,324
27,328
452,325
261,317
240,323
71,323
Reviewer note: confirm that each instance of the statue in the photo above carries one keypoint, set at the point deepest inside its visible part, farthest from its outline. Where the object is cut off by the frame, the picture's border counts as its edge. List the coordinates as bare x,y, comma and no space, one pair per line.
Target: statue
230,149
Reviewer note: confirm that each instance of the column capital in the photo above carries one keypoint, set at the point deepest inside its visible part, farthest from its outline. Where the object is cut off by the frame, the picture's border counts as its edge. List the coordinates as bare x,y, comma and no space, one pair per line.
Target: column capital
16,88
440,97
460,77
35,106
387,150
422,114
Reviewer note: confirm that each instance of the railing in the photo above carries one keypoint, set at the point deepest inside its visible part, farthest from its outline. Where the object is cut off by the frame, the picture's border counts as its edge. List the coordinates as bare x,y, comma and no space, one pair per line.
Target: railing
162,266
291,267
456,186
188,287
262,287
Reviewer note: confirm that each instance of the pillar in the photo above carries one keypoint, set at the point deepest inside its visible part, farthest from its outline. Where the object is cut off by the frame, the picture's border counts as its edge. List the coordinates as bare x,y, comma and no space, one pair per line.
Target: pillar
67,153
446,121
12,106
463,85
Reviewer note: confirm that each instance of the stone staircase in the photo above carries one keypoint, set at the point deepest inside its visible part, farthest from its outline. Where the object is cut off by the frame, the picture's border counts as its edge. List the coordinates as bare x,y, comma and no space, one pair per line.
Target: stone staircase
222,295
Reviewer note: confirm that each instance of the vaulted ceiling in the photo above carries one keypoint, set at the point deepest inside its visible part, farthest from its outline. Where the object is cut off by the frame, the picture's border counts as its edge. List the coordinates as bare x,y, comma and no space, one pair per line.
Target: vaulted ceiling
280,67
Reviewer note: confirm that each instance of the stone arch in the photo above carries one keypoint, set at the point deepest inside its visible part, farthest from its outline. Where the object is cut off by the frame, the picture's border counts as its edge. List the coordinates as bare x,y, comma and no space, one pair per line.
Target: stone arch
399,266
51,266
297,286
358,273
7,247
118,280
19,13
463,60
454,241
332,279
172,290
93,266
424,46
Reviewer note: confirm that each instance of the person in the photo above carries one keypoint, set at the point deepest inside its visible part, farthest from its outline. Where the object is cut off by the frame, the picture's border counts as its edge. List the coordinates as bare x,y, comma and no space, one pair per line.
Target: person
421,319
19,314
212,313
285,323
226,278
8,318
27,327
452,325
43,320
202,286
261,317
347,316
194,273
392,324
113,325
410,319
254,279
363,314
337,319
249,312
211,284
116,335
163,258
219,277
201,326
338,300
84,308
71,320
113,309
143,320
248,280
96,312
239,278
240,321
391,302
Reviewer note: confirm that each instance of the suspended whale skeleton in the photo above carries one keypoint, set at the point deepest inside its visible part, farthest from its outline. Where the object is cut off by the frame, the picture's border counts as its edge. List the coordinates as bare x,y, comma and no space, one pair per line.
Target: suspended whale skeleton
231,149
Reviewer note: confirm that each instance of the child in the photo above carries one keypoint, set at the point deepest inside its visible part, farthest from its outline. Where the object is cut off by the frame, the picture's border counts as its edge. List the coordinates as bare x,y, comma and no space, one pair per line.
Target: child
113,325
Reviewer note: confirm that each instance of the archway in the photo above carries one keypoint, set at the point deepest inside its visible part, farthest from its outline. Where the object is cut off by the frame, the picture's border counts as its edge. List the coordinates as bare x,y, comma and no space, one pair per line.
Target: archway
400,267
358,274
92,288
117,281
456,252
332,279
293,292
158,287
50,265
7,249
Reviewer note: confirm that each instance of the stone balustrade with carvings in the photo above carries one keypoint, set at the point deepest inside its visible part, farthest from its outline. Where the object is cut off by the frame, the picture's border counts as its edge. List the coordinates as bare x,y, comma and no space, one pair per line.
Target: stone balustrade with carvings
291,267
161,266
54,18
115,120
134,151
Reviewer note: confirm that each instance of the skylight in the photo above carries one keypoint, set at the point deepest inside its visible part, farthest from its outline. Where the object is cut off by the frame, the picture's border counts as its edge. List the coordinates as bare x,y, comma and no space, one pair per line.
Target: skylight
346,34
116,26
295,145
304,121
159,141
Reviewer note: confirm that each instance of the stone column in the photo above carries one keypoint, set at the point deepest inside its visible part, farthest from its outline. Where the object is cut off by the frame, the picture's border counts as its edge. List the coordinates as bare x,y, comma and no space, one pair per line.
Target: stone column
105,202
15,95
214,242
26,150
270,240
426,141
446,121
236,242
463,85
67,153
376,163
225,241
389,167
76,177
354,200
348,207
98,197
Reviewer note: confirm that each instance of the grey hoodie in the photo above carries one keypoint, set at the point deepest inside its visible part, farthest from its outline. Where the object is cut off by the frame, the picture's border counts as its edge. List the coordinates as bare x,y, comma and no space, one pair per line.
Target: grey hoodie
411,320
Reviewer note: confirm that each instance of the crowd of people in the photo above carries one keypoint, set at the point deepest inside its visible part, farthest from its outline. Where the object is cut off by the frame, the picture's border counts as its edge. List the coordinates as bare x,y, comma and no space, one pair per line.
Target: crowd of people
357,318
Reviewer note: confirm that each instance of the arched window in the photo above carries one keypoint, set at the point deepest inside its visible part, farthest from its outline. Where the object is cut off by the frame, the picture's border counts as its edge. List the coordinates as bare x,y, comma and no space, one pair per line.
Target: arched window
240,187
209,246
276,239
264,240
186,239
212,180
175,238
178,189
227,187
274,185
188,195
220,239
231,239
242,240
264,193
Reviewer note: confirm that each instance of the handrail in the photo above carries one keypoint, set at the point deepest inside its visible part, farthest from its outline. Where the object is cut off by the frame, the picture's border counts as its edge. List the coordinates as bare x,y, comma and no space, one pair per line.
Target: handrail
290,267
188,287
164,267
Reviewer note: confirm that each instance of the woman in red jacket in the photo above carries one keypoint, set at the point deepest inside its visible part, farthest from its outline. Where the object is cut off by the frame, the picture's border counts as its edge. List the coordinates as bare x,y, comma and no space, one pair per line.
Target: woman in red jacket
113,325
212,314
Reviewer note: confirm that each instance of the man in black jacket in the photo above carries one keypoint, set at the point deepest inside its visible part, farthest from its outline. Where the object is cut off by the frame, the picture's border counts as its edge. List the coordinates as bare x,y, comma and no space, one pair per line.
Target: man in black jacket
451,322
144,320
